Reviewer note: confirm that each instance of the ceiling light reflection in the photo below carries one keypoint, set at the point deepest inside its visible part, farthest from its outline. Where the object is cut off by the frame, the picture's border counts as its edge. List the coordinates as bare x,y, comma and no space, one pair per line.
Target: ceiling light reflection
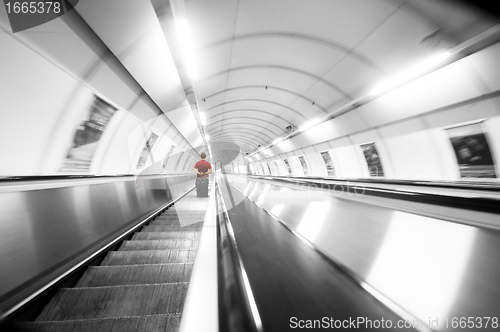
186,46
262,196
203,118
421,264
309,124
313,219
276,209
409,74
278,140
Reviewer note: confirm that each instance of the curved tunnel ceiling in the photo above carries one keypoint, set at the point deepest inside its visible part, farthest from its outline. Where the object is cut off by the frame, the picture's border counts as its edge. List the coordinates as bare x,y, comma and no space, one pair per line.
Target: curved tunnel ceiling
265,65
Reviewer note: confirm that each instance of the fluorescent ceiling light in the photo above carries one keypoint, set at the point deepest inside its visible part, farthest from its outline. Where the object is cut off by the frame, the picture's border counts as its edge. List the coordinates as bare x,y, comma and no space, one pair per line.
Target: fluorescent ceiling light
309,125
411,73
203,118
278,140
186,46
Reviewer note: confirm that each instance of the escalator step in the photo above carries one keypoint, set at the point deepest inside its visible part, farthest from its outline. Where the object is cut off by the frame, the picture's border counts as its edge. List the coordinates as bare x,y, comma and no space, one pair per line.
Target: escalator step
159,244
149,257
169,213
98,276
193,206
188,235
157,323
178,223
118,301
172,228
176,218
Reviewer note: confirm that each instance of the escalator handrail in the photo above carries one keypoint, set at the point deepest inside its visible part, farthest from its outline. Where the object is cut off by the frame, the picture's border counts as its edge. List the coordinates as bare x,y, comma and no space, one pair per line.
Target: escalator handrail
237,299
462,185
55,177
480,204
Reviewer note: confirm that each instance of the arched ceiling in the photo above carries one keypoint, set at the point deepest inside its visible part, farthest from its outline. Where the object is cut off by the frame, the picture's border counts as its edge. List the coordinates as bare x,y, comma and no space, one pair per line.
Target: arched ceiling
263,65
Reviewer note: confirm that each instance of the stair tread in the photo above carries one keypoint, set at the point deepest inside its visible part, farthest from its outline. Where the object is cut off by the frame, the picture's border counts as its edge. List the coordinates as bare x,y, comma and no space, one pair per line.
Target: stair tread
132,257
187,235
172,228
153,323
181,224
158,244
181,212
97,276
116,301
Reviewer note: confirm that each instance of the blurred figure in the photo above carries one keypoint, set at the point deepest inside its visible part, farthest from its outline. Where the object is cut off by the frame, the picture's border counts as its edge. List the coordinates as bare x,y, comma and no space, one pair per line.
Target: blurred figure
202,169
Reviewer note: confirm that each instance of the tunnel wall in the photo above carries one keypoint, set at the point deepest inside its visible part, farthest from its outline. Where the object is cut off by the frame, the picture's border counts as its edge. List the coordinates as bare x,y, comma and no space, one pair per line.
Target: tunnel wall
408,125
54,73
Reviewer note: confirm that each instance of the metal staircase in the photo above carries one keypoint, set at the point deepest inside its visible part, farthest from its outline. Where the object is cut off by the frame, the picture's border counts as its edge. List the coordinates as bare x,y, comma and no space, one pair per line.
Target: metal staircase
140,287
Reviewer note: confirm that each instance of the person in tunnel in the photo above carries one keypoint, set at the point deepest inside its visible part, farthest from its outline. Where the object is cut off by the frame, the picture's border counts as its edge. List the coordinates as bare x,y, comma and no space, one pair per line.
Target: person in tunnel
202,169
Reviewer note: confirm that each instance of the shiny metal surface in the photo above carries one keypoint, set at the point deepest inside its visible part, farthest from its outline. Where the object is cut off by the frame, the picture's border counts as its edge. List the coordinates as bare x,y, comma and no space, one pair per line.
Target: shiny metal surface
432,268
239,303
44,232
431,188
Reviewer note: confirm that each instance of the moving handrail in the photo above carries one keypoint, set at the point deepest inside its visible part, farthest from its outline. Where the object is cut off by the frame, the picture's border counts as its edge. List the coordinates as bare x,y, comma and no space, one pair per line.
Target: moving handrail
466,185
237,310
474,203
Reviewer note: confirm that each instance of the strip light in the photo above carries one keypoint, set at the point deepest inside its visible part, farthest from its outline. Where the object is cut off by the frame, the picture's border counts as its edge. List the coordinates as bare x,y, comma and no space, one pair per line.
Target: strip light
186,46
310,124
203,118
409,74
278,140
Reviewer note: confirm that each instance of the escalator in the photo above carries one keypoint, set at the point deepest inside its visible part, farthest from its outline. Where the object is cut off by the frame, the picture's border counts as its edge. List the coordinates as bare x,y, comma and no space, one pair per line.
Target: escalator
139,287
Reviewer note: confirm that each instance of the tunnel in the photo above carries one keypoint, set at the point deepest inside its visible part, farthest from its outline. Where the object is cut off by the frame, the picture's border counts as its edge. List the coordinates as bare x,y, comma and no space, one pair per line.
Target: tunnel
249,165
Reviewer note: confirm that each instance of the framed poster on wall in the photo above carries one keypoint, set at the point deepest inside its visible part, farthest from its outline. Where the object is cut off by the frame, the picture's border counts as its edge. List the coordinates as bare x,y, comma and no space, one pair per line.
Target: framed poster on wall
146,151
185,167
304,165
372,159
330,170
288,166
166,158
472,151
178,161
87,136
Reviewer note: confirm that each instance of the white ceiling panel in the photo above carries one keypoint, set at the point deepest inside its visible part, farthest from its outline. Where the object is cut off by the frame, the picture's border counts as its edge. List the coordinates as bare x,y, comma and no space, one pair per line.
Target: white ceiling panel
349,123
326,52
285,51
211,85
354,76
280,96
326,95
345,21
210,21
307,109
212,60
269,75
397,42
